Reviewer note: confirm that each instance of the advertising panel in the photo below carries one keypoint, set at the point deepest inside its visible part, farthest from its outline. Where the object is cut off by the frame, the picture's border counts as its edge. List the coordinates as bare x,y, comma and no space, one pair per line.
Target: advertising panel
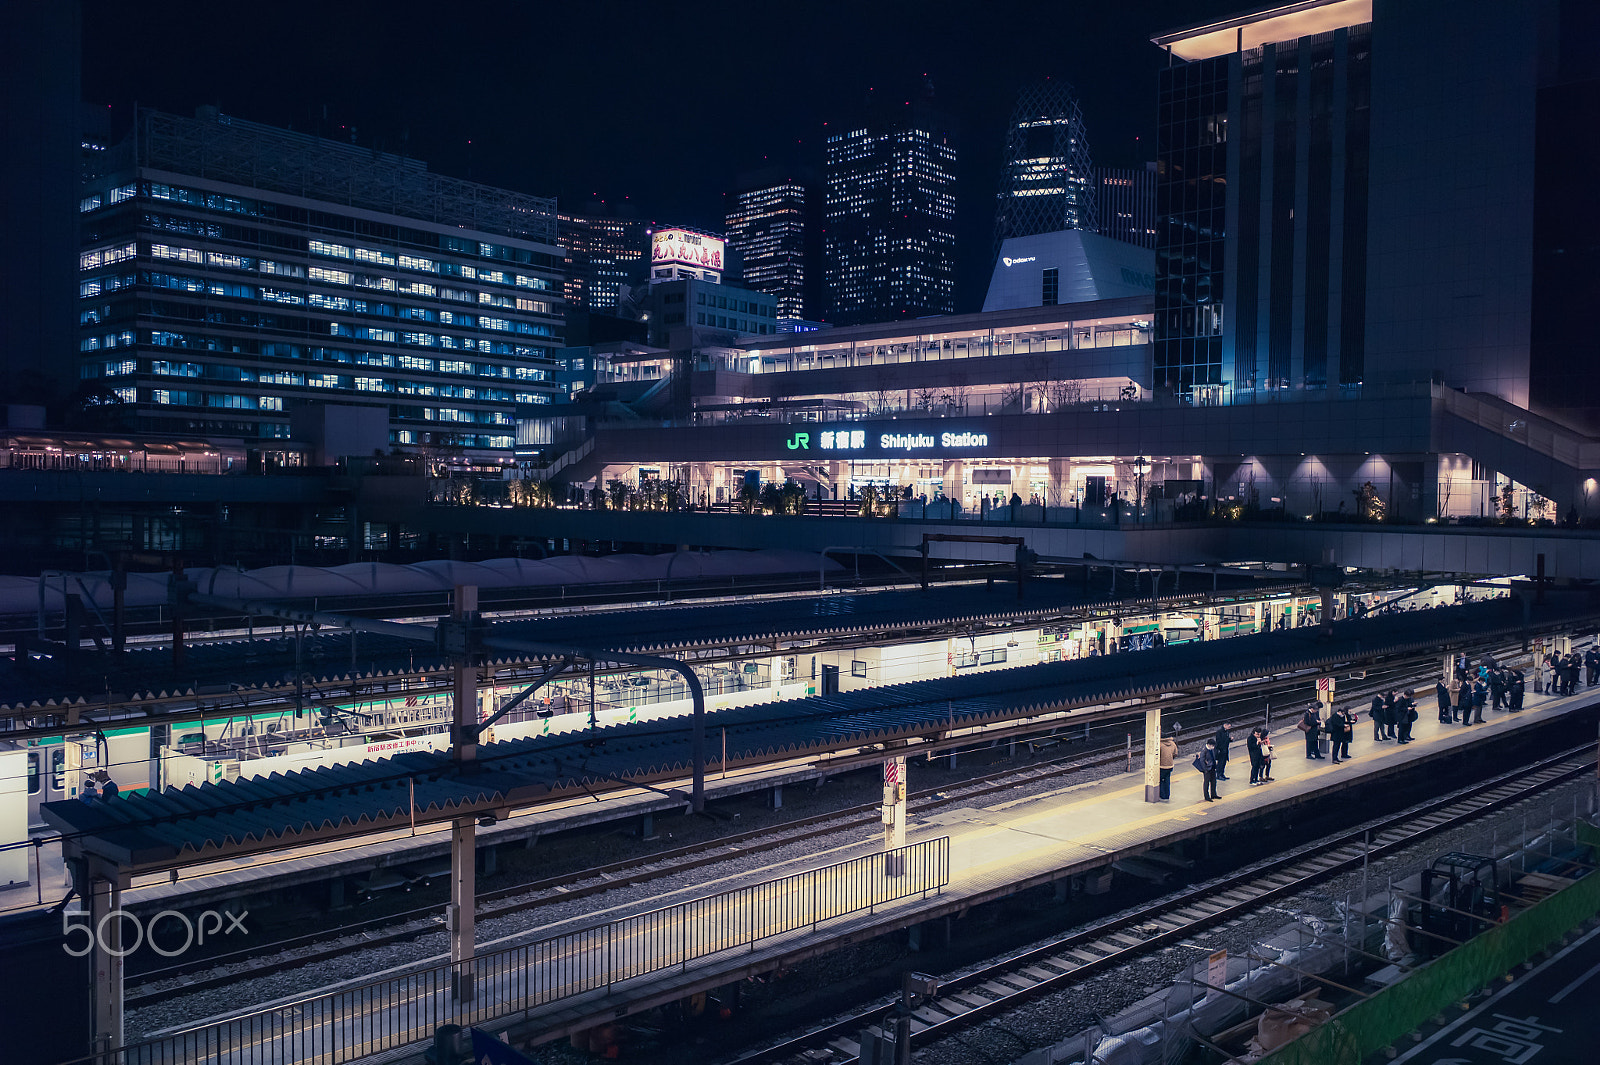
686,247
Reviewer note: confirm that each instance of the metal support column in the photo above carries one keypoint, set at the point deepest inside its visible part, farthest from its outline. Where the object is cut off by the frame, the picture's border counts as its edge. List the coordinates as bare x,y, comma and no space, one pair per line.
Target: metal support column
462,917
1152,754
103,895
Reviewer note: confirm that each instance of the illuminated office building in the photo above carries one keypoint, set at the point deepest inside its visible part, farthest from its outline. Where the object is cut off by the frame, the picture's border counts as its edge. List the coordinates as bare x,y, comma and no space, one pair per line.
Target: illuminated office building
602,255
230,271
1047,183
766,229
889,220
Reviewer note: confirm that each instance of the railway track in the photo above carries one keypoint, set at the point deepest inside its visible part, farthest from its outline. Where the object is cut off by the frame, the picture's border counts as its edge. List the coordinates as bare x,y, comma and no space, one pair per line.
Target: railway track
420,921
994,989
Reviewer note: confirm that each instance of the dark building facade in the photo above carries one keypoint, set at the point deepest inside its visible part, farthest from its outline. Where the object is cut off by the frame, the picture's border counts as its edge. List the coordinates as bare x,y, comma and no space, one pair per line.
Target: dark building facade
1359,193
1125,202
602,254
231,271
1047,183
766,230
889,219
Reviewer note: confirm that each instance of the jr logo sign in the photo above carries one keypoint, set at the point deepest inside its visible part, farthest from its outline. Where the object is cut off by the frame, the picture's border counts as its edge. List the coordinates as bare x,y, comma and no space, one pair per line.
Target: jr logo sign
800,442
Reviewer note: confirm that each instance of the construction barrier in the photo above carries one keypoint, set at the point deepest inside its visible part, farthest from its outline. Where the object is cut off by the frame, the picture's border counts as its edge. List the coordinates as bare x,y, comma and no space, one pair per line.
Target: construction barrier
1376,1022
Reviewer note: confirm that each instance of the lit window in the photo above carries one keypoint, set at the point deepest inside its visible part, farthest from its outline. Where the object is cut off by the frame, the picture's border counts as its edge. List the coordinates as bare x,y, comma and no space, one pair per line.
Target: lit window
337,251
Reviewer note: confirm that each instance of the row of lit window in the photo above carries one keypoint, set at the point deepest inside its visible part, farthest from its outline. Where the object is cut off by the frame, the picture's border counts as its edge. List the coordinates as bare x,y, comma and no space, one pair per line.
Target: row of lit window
237,205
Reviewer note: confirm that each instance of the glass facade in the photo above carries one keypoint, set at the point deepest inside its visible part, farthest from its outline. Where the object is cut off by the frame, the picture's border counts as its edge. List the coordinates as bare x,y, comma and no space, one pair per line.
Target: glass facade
1284,129
766,227
1047,183
214,308
890,208
601,256
1191,220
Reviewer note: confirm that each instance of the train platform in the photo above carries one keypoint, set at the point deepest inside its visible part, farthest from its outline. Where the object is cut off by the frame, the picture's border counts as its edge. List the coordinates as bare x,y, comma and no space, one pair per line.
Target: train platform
999,849
994,850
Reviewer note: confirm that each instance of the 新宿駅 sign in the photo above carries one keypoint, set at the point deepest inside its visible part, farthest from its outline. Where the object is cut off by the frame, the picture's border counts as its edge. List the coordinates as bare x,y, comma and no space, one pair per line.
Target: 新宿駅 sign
857,440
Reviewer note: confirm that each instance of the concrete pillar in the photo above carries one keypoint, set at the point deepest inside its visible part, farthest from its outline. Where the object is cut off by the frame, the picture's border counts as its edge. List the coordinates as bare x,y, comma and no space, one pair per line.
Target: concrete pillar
461,918
647,826
775,800
103,898
462,914
953,476
1152,754
914,939
1060,482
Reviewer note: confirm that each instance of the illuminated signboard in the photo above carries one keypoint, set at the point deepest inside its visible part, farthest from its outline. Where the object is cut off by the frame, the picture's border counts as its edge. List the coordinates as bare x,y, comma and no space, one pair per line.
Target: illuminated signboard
859,440
682,246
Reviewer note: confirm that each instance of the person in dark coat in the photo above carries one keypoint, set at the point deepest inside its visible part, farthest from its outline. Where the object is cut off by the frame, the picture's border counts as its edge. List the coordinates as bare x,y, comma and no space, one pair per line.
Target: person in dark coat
1223,737
1335,725
1206,762
1380,713
1480,696
1591,662
1497,690
1442,694
1347,732
1406,711
1252,745
1311,725
1518,689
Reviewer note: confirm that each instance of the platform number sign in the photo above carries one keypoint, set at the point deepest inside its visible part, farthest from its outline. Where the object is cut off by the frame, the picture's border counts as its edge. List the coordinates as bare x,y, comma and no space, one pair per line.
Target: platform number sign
1324,684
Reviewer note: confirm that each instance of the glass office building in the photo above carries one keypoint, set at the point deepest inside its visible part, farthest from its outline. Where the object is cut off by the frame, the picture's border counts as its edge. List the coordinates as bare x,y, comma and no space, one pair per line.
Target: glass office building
766,228
231,270
1262,201
603,255
890,206
1047,183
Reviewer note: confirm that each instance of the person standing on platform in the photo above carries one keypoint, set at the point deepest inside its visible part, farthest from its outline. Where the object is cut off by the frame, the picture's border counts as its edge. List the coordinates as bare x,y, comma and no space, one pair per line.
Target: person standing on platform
1391,715
1574,670
1480,696
1351,718
1442,693
1169,758
1266,754
1335,726
1518,688
1406,711
1206,762
1379,712
1252,745
1591,661
1497,690
1223,738
1311,725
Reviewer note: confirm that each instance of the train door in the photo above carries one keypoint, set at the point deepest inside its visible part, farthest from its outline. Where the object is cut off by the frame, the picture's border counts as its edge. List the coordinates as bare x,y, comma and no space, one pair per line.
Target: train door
47,779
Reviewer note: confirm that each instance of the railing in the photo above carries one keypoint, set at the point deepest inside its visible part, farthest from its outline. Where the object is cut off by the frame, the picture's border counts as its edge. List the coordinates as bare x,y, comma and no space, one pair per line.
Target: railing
385,1014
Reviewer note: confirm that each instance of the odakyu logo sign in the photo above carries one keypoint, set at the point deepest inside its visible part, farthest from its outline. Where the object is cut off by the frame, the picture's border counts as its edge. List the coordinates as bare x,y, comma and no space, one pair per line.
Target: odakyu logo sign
120,933
1009,261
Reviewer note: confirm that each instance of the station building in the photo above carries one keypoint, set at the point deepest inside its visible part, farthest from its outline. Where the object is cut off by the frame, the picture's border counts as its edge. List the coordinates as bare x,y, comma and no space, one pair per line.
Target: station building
1329,324
1057,405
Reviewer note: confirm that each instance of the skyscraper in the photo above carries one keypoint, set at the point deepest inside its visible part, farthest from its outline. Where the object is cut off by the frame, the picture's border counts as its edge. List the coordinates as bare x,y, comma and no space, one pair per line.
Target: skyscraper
231,270
602,253
1125,201
1047,183
890,206
766,228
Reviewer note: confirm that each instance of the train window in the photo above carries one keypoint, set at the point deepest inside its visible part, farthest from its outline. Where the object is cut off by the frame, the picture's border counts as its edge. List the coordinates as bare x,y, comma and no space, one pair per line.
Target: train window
33,773
58,769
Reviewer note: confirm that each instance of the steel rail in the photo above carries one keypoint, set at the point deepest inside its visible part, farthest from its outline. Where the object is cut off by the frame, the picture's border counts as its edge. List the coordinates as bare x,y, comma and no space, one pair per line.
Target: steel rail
1180,916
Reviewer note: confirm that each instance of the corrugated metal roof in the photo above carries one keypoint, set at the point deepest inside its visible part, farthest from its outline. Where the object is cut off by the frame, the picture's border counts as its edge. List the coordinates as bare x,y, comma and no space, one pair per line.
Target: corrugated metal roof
178,826
268,664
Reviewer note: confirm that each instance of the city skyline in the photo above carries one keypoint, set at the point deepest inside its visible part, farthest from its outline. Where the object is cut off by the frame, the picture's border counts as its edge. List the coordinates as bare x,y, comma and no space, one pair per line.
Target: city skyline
484,113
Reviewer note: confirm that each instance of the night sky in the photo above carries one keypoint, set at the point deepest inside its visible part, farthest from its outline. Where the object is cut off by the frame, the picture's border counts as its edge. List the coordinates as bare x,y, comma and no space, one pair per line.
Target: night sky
654,106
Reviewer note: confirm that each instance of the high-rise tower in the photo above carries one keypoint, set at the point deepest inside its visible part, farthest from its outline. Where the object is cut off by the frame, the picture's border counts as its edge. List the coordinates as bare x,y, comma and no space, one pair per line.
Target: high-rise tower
890,208
767,228
1048,182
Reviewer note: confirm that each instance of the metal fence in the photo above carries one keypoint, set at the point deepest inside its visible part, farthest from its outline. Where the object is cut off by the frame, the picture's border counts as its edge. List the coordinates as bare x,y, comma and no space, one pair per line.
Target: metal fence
348,1024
